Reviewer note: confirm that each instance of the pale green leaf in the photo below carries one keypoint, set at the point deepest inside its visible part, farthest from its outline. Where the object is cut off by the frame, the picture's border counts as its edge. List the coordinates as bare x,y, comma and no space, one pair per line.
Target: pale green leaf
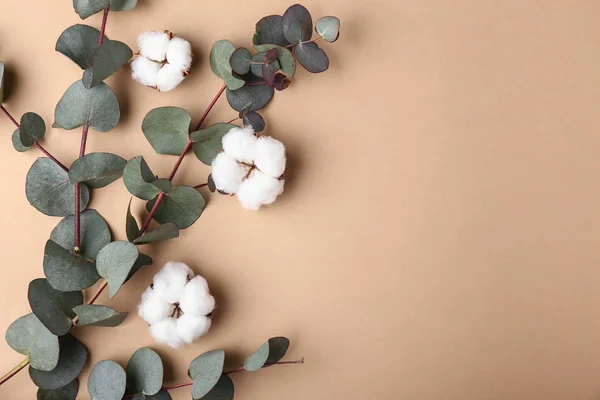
182,206
167,129
107,381
94,315
71,361
27,335
97,170
114,263
66,271
94,233
219,63
145,372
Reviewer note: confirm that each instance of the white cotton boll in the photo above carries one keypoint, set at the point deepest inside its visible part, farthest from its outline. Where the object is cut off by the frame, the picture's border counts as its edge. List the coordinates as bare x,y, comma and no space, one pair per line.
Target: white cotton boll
259,189
191,327
196,299
145,71
153,308
170,281
169,77
270,156
179,53
239,143
227,173
154,45
166,332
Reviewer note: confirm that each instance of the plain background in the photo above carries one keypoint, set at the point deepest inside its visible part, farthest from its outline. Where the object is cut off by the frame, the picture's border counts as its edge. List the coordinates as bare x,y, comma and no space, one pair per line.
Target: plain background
438,238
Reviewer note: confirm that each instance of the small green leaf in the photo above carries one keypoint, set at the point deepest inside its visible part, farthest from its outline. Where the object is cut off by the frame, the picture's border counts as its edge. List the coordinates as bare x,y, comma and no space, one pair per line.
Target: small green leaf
79,42
114,263
219,63
131,227
182,206
223,390
68,392
93,231
208,142
107,381
278,346
328,28
285,57
240,61
65,271
1,81
257,359
270,352
71,361
167,129
311,57
164,232
16,141
97,169
206,371
27,335
48,189
108,58
53,308
87,8
93,315
141,262
33,129
145,372
97,107
211,184
269,30
257,94
139,179
297,24
255,120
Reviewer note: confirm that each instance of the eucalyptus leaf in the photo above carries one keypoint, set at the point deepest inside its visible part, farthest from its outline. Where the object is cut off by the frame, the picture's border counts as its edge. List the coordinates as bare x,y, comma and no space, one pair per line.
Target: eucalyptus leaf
219,63
97,169
286,59
211,184
328,28
145,372
240,61
269,30
131,226
1,82
114,263
97,107
206,370
71,361
281,81
167,129
258,63
141,262
108,58
255,120
208,142
163,232
79,42
87,8
16,141
33,129
269,353
107,381
278,346
94,233
68,392
139,179
223,390
311,57
297,24
182,206
93,315
258,94
65,271
48,189
27,335
53,308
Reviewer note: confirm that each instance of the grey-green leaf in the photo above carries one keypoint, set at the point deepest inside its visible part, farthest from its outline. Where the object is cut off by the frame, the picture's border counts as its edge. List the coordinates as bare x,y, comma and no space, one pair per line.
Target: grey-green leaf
182,205
269,30
278,346
33,128
65,271
269,353
1,81
240,61
114,263
94,315
48,189
285,57
108,58
258,95
68,392
71,361
131,226
87,8
79,42
97,169
27,335
219,63
163,232
208,142
167,129
139,179
257,66
223,390
145,372
93,229
142,261
257,359
311,57
53,308
297,24
98,107
206,371
255,120
107,381
162,395
328,28
16,141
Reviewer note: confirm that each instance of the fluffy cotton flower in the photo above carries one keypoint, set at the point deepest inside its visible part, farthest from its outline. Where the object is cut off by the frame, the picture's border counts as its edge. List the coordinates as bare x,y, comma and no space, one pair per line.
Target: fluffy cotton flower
153,308
169,77
165,332
179,53
195,298
227,173
145,71
154,45
269,156
191,327
240,144
170,280
258,190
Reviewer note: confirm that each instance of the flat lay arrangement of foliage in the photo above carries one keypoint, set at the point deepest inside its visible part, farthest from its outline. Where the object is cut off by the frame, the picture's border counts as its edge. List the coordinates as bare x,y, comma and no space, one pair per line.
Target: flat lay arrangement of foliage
80,251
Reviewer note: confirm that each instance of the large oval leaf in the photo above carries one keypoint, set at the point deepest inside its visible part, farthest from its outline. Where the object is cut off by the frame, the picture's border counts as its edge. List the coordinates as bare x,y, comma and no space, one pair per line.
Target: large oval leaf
258,94
78,42
269,30
94,315
97,169
53,308
108,58
182,206
311,57
208,142
68,392
206,371
145,372
240,61
167,129
114,263
70,364
107,381
297,24
65,271
33,128
29,336
219,63
87,8
93,229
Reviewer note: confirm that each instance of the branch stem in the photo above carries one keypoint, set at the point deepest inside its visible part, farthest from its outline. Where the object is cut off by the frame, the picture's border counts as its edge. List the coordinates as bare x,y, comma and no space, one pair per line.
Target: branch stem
15,370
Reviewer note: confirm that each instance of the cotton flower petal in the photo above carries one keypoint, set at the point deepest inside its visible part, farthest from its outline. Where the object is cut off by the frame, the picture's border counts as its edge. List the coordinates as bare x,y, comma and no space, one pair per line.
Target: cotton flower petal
153,308
227,173
154,45
191,327
258,190
145,71
196,299
170,281
166,332
169,77
270,156
239,143
179,53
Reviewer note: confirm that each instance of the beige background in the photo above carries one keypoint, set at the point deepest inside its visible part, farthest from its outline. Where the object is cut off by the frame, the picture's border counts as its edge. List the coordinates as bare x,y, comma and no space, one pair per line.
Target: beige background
438,238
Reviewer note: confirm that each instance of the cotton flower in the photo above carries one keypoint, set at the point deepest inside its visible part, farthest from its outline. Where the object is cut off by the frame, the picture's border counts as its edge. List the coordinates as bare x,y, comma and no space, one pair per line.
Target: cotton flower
163,60
177,305
251,167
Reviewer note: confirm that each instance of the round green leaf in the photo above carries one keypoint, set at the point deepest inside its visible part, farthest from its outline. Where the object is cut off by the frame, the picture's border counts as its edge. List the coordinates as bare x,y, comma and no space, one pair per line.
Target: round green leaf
53,308
68,392
33,128
223,390
108,58
269,30
48,189
87,8
145,372
219,63
29,336
16,141
70,364
269,353
65,271
93,315
257,67
257,359
297,24
182,206
78,42
258,94
206,371
311,57
208,142
98,107
93,229
328,28
107,381
114,263
240,61
97,169
285,57
141,182
278,346
131,227
163,232
167,129
255,120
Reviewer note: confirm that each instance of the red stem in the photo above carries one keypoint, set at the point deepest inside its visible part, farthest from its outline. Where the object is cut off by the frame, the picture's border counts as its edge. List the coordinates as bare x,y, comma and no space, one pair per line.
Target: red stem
103,27
14,121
